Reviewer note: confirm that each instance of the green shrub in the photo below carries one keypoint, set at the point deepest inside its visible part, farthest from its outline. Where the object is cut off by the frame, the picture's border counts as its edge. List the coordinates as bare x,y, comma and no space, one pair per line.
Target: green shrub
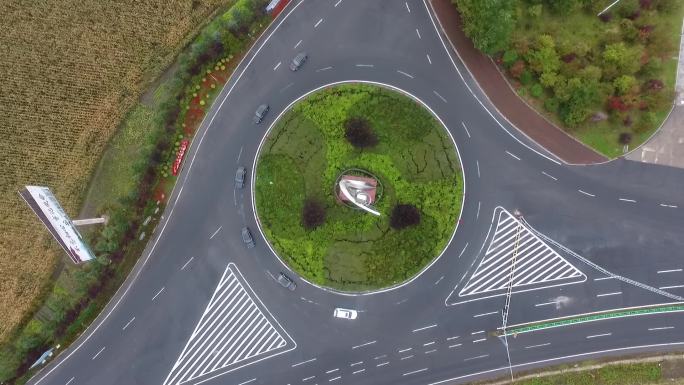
509,58
536,90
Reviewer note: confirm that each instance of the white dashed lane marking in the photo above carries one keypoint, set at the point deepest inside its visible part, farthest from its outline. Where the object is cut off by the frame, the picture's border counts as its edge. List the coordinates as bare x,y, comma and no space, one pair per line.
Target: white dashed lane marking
512,155
549,175
586,193
661,328
599,335
609,294
274,68
669,271
440,96
303,362
466,129
405,74
418,33
98,353
318,23
627,200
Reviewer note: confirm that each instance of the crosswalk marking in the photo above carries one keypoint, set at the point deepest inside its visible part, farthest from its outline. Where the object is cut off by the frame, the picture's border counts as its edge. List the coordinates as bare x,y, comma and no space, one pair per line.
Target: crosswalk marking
535,262
234,330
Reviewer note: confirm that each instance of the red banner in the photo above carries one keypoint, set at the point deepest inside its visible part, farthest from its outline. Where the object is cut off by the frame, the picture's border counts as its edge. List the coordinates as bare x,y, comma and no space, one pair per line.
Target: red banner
179,156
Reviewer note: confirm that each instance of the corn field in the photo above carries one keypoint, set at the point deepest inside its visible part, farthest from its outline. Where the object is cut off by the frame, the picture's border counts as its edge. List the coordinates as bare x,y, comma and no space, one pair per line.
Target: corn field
69,71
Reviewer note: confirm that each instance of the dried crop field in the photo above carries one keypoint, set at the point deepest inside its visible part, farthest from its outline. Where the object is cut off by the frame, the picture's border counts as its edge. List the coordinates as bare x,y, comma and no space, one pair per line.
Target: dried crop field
69,71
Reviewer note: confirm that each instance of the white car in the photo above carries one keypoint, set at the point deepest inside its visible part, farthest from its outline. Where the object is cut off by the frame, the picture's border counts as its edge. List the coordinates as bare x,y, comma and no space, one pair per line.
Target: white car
345,313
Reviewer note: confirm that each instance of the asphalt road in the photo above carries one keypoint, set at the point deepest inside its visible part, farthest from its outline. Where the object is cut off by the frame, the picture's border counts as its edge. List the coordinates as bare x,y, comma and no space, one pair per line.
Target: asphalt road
201,308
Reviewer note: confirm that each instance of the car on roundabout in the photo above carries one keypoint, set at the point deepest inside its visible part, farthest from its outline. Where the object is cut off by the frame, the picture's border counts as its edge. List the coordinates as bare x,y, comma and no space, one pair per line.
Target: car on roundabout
345,313
286,282
247,237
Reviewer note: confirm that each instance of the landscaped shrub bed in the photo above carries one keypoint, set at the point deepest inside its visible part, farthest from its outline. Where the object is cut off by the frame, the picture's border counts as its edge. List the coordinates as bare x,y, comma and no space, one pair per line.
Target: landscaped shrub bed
369,128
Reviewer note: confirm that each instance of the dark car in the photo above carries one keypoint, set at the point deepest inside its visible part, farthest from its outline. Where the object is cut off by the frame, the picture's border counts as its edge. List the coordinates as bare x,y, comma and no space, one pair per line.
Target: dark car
286,282
240,177
260,113
247,237
298,61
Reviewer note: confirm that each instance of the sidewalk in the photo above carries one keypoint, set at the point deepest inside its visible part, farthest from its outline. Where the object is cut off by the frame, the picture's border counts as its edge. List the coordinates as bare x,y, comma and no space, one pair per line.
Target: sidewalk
666,147
506,101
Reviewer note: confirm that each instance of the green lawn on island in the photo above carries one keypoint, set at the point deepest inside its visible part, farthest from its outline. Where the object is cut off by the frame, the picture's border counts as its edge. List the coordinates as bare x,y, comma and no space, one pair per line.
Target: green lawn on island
415,161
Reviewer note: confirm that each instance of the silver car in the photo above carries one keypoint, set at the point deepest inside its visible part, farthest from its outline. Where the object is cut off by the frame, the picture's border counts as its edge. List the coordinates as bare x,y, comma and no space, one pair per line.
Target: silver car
286,282
298,61
240,177
260,113
247,237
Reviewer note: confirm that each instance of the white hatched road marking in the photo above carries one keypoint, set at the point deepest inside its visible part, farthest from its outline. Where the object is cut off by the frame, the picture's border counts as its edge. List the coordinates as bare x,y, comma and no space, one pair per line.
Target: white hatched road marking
235,328
535,262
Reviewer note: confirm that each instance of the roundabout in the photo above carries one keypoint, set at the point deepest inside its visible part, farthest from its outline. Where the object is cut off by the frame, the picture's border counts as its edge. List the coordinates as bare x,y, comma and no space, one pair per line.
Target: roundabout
358,133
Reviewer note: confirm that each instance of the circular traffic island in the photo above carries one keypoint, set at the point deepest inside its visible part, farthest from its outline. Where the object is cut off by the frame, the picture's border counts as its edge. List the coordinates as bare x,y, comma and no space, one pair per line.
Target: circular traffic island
358,187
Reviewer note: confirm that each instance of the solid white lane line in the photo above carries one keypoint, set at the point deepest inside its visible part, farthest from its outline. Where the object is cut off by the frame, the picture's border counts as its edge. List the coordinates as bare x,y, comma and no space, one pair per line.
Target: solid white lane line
424,328
308,378
405,74
324,69
382,364
365,65
215,232
465,128
429,343
415,371
477,163
431,351
302,363
98,353
128,323
670,206
669,271
356,363
477,332
248,381
407,7
512,155
318,22
277,65
156,295
599,335
332,371
537,346
439,96
671,287
477,215
428,57
480,340
405,350
334,379
406,358
454,346
661,328
475,358
298,43
69,382
586,193
609,294
603,278
485,314
452,338
546,303
418,33
360,370
338,3
365,344
627,200
187,263
549,175
462,251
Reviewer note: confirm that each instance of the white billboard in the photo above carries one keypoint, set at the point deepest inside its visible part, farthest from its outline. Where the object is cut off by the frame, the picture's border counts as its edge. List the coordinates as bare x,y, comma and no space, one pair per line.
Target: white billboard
47,208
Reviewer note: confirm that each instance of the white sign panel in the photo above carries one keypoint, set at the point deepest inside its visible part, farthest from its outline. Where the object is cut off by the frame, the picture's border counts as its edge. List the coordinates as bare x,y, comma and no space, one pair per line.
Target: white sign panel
50,212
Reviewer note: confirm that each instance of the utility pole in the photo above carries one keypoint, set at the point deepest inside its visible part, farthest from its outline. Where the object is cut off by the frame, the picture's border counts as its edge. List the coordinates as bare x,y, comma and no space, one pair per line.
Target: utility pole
509,290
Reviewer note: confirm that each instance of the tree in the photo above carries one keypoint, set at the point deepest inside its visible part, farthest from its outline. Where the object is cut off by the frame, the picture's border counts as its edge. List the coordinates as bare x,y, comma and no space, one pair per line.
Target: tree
359,133
581,95
403,216
562,7
625,84
618,59
313,214
544,59
488,23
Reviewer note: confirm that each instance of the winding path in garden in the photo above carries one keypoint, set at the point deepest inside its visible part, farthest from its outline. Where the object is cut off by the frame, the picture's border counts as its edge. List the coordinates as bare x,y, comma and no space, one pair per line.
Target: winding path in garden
201,308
